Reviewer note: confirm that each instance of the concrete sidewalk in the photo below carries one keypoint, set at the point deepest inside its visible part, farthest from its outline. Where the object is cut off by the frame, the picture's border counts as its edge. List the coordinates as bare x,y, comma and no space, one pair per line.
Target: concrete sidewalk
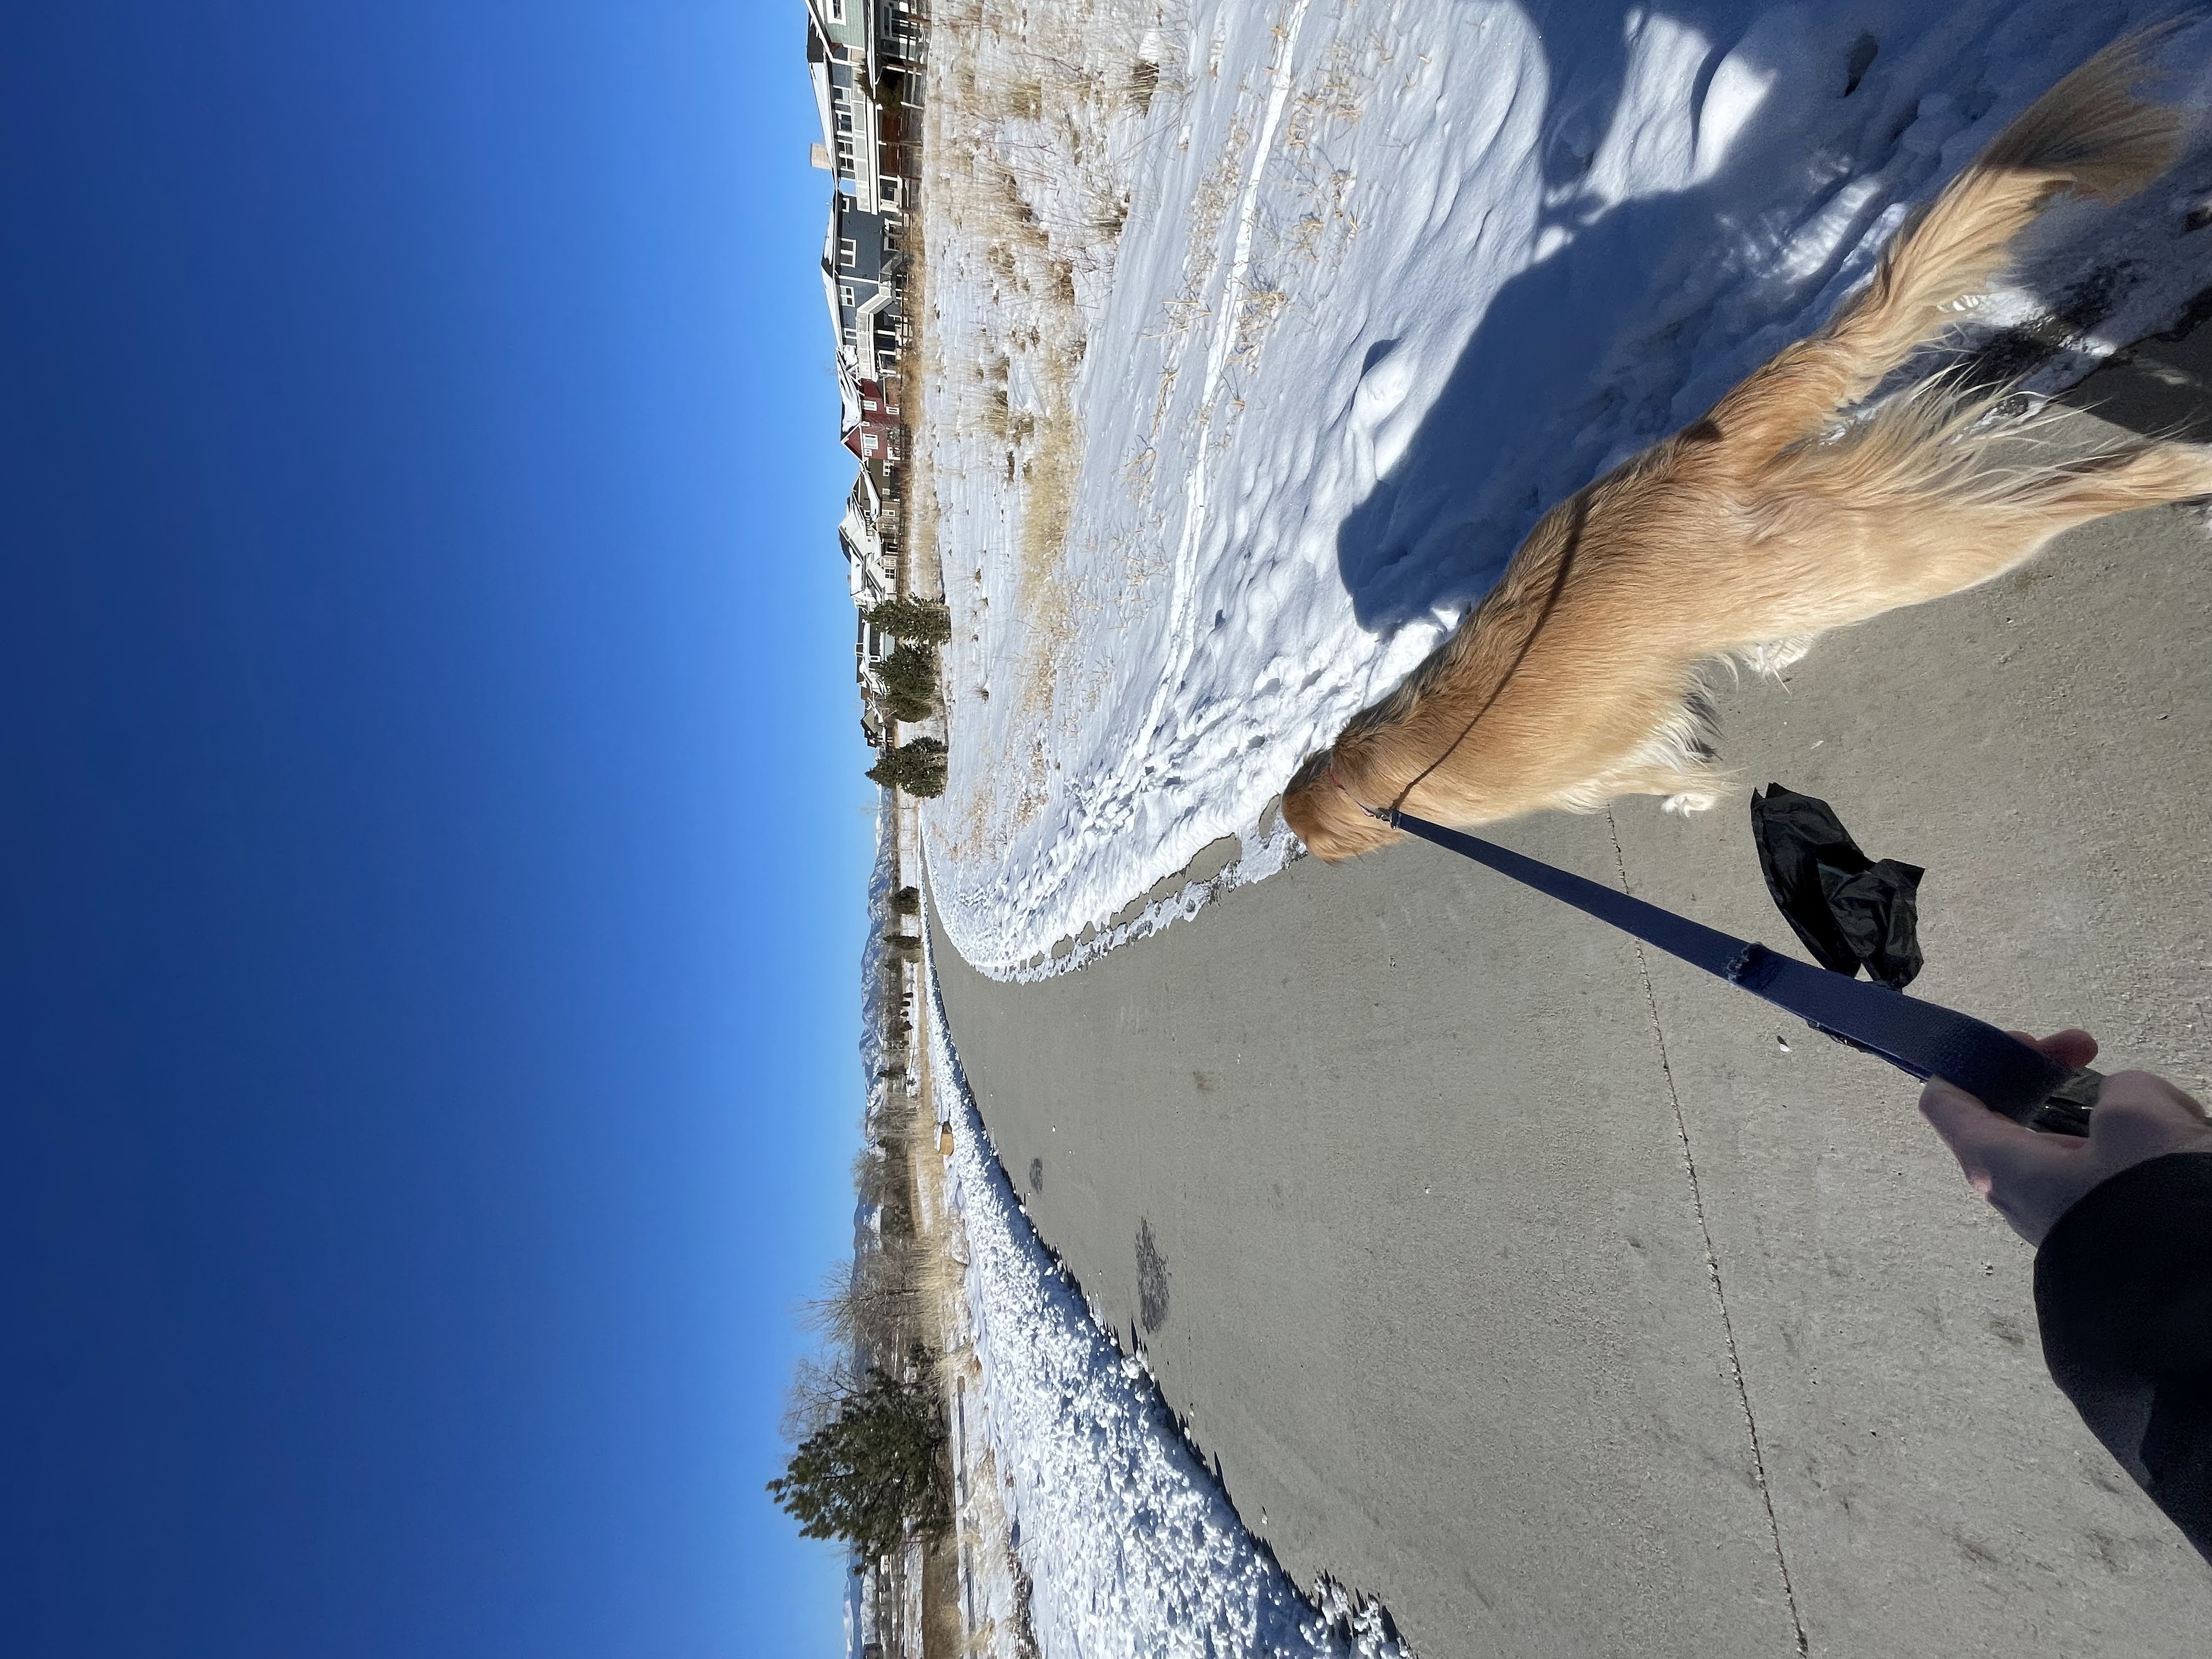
1576,1305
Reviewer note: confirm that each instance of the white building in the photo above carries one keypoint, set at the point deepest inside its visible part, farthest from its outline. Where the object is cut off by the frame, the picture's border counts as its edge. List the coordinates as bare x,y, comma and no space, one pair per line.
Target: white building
842,57
872,566
871,572
865,57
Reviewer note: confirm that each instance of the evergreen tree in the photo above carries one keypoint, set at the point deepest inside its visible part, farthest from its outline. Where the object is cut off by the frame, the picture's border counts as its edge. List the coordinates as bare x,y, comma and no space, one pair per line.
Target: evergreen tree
875,1471
907,901
908,679
917,767
920,621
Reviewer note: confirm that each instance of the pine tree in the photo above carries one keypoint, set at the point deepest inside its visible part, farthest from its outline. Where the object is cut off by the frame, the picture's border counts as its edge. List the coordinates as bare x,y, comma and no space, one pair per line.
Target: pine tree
875,1473
922,621
908,680
917,767
907,901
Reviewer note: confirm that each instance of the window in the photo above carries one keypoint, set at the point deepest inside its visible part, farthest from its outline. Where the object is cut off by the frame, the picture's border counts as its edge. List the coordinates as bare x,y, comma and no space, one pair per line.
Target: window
845,295
836,11
848,253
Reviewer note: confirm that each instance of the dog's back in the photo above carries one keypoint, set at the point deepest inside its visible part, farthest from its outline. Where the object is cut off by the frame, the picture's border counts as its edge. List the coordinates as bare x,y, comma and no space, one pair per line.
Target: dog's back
1576,680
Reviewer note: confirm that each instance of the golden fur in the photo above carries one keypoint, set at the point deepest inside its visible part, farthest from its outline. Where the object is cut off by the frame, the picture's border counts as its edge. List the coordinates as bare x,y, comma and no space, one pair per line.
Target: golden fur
1768,522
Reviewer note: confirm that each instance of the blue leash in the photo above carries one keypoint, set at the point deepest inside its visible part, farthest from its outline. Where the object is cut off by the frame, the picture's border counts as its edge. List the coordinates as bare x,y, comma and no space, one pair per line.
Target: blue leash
1923,1039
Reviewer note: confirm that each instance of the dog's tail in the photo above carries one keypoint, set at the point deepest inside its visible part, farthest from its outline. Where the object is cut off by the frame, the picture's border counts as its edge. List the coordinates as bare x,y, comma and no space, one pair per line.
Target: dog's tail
2089,133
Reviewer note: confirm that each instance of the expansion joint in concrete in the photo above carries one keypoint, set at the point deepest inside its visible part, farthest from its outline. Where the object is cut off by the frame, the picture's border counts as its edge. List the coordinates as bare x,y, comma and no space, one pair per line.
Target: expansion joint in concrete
1712,1263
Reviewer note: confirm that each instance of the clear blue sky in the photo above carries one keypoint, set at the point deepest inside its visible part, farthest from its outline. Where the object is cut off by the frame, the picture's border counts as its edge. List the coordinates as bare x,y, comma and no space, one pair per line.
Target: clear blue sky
431,840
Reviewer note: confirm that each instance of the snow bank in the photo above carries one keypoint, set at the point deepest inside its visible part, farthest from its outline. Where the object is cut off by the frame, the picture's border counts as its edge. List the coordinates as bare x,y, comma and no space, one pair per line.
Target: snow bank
1131,1546
875,950
1248,387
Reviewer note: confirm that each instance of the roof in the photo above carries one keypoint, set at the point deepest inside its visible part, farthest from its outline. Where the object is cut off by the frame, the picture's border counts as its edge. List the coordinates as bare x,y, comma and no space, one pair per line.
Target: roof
836,313
857,536
848,398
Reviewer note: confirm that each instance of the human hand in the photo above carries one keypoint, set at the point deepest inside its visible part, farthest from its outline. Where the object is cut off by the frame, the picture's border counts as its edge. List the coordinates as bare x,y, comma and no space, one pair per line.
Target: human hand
2034,1178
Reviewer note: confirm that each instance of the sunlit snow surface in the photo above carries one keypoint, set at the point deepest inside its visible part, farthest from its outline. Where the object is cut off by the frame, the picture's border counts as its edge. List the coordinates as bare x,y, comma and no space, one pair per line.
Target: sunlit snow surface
1131,1546
1395,278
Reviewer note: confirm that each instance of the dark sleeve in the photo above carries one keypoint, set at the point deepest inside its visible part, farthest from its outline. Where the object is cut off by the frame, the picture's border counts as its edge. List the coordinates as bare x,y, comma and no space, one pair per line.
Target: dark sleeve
2123,1294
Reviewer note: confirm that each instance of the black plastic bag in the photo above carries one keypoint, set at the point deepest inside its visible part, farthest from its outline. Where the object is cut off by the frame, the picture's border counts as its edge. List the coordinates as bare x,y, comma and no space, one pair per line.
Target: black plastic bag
1851,911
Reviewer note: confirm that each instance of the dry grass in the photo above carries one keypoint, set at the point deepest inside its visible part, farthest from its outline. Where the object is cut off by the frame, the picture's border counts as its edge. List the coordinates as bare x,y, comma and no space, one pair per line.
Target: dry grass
918,572
1024,203
944,1630
1256,316
1048,476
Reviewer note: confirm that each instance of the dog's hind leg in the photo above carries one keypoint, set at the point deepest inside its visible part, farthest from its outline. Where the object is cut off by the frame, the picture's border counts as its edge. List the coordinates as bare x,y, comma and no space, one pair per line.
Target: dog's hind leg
2088,133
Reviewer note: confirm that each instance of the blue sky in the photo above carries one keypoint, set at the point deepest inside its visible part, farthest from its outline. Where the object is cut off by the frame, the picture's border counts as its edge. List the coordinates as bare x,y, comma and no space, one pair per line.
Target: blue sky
433,843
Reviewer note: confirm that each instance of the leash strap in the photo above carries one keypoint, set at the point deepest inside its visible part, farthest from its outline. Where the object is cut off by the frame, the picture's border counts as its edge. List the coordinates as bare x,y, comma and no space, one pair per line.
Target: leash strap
1923,1039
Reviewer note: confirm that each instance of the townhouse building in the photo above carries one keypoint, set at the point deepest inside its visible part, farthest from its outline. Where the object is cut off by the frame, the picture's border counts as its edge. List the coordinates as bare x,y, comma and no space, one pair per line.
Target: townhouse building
865,58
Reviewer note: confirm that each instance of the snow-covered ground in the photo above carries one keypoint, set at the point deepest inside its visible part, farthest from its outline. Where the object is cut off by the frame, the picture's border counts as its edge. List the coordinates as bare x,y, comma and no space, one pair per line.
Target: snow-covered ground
1131,1546
1263,329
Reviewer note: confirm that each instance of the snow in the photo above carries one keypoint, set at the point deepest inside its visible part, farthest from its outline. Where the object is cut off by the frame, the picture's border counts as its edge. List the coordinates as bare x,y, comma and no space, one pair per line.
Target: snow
875,950
1131,1546
1394,276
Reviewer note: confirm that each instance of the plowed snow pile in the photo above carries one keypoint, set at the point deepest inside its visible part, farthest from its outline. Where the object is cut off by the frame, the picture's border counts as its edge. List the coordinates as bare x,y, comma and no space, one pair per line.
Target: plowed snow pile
1262,330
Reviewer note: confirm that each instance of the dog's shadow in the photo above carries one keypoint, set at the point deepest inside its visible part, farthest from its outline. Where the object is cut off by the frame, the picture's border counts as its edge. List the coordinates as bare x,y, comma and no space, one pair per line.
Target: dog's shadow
1647,310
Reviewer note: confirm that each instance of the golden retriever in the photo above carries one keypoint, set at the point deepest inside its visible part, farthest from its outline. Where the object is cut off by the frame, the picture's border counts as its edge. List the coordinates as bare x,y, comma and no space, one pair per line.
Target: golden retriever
1771,521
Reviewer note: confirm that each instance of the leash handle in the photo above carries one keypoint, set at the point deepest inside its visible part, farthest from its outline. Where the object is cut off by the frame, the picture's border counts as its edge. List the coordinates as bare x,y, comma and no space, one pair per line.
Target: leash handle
2065,1110
1926,1040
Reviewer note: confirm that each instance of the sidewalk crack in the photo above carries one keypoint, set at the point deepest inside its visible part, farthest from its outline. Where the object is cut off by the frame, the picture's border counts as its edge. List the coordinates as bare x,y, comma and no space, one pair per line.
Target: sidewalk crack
1712,1261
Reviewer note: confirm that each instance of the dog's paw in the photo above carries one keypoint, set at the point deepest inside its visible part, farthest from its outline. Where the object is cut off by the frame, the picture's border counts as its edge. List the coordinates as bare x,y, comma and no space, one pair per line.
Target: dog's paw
1688,801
